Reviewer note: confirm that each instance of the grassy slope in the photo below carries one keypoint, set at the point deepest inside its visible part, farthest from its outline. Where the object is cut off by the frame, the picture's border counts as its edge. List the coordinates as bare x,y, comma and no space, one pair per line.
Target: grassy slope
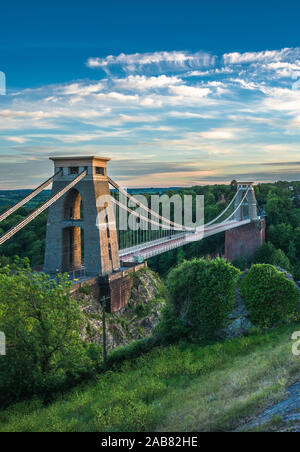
177,388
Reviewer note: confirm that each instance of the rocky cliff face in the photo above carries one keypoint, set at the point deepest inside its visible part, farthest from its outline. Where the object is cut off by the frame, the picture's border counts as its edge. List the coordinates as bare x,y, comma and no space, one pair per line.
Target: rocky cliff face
142,313
136,321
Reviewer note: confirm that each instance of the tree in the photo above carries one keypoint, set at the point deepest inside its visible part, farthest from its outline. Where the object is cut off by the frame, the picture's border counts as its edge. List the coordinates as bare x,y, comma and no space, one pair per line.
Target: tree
276,206
4,260
268,254
297,241
233,184
281,235
180,255
42,325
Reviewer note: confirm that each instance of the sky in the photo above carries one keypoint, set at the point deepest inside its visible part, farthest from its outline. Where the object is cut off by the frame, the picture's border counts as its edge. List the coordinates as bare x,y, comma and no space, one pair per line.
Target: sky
176,93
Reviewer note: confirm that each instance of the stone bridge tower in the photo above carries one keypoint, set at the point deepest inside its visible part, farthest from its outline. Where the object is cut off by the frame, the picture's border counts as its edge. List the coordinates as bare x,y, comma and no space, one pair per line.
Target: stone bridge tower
244,241
81,228
249,207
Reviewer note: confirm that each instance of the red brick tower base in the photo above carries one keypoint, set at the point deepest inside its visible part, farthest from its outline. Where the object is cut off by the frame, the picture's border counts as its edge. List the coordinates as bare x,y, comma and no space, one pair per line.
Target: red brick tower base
244,241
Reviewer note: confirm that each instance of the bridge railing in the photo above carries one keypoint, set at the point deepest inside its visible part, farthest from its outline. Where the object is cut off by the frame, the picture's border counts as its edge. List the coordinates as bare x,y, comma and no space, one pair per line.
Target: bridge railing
77,274
145,245
162,249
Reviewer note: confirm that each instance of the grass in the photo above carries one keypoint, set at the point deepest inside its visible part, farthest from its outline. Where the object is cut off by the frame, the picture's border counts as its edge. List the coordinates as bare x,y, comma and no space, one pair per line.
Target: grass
186,387
272,426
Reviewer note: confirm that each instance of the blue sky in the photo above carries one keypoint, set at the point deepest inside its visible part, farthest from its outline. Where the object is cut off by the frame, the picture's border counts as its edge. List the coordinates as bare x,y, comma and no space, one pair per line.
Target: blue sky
176,93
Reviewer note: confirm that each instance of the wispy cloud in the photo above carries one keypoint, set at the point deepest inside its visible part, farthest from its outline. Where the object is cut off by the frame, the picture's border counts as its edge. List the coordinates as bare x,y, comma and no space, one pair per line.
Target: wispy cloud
19,140
260,57
164,110
143,83
221,134
156,61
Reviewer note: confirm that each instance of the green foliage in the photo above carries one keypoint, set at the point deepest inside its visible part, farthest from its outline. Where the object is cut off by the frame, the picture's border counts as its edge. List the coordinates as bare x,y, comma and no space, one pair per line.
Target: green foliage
281,235
42,326
201,296
4,261
85,289
27,243
276,204
268,254
186,387
280,202
142,304
269,296
241,264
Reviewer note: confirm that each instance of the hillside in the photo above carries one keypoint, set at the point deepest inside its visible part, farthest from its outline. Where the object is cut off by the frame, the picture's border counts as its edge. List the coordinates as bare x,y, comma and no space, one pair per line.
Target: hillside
176,388
208,380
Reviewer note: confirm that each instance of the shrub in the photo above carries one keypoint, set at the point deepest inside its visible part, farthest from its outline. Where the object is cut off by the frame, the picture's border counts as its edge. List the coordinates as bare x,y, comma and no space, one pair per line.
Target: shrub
85,290
269,296
42,326
201,296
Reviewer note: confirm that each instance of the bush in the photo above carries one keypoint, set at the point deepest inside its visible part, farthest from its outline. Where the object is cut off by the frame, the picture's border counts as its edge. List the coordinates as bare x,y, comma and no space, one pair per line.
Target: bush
85,290
269,296
201,296
42,324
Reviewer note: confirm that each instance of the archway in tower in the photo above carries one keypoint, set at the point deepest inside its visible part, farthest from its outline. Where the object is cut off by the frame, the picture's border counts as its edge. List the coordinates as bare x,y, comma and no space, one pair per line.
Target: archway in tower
73,234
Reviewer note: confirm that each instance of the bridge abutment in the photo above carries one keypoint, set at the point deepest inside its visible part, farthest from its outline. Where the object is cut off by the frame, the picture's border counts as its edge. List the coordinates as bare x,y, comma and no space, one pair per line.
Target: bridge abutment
116,287
244,241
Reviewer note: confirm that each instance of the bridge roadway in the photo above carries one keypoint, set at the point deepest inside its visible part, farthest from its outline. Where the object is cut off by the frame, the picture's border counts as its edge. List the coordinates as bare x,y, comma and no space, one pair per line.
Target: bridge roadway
156,247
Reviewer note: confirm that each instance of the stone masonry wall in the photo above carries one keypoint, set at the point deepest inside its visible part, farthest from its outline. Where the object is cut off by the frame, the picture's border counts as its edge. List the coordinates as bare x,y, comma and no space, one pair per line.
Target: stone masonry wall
244,241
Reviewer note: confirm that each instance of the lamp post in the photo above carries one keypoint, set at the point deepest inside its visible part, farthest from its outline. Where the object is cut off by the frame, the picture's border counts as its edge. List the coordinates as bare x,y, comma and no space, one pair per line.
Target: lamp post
103,302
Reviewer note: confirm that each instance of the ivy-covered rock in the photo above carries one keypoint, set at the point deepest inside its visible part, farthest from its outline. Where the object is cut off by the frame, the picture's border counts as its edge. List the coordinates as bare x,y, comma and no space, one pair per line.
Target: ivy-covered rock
136,321
201,297
269,295
239,319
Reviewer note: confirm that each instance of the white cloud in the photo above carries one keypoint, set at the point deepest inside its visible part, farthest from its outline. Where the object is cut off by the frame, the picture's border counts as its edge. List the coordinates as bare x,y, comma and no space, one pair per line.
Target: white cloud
246,84
296,122
189,115
285,69
175,60
143,83
81,89
189,91
118,97
19,140
139,118
283,100
220,134
253,57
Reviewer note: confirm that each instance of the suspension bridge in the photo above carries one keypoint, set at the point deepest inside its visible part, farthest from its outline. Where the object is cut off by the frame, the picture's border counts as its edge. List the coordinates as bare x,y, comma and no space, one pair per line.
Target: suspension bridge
86,237
175,235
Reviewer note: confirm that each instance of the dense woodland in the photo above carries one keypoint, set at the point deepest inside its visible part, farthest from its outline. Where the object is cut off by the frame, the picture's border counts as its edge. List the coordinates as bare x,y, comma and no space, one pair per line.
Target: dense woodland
280,202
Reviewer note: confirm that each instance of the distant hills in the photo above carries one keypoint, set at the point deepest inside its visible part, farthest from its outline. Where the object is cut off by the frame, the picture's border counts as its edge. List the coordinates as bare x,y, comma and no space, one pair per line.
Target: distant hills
11,197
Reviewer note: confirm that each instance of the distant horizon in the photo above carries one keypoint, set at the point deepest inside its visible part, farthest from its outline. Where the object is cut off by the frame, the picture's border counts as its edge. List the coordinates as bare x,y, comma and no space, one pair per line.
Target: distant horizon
167,187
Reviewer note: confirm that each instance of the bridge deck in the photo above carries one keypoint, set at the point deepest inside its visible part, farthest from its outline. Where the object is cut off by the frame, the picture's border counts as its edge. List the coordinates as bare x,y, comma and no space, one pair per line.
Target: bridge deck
157,247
